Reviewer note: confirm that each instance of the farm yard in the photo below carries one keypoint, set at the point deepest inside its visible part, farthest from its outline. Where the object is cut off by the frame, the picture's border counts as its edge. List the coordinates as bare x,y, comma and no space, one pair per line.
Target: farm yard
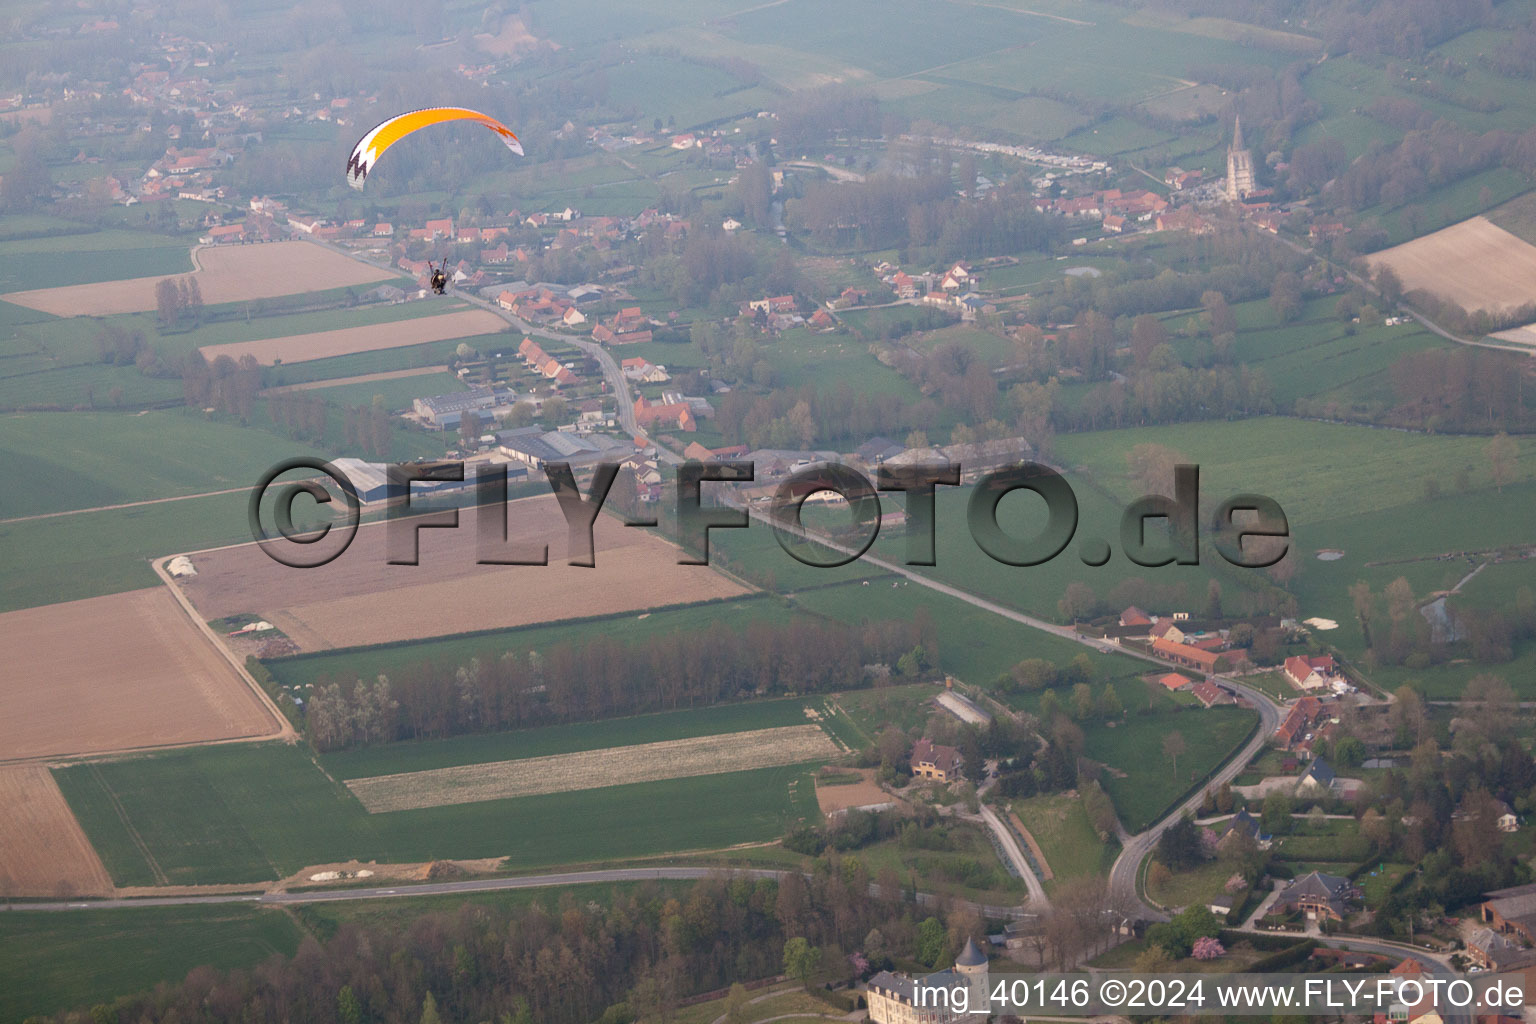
594,769
224,274
43,851
351,340
360,599
1476,264
118,673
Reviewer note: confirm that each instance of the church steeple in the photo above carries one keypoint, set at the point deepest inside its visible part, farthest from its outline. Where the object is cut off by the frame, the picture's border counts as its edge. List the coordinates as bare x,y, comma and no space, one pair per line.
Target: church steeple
1240,176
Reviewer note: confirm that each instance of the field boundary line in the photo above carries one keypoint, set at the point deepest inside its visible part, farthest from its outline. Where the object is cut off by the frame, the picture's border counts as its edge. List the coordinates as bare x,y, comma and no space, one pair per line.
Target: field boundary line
126,504
161,878
285,730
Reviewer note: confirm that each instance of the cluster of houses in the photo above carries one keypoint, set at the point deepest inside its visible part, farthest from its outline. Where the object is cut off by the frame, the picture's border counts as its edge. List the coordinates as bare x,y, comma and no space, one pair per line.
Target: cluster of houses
629,326
1116,209
675,411
493,401
643,371
1176,639
1205,691
540,362
549,305
954,289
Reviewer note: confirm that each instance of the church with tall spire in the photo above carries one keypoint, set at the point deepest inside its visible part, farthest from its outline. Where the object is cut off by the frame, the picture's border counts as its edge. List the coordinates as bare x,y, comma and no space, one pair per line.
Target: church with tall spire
1240,181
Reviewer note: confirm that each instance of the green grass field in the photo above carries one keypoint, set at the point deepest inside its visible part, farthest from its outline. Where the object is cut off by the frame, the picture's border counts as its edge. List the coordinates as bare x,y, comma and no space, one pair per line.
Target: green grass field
1316,471
233,814
1197,886
1058,822
1141,781
67,558
54,263
974,645
397,393
58,961
97,459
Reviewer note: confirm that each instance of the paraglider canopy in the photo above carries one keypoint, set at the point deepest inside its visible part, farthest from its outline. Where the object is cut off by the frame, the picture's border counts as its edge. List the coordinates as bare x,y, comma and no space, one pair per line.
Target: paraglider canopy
372,146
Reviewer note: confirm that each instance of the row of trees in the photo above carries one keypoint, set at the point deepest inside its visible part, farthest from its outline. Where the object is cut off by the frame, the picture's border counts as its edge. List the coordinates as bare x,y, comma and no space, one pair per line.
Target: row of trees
177,301
602,678
633,956
226,386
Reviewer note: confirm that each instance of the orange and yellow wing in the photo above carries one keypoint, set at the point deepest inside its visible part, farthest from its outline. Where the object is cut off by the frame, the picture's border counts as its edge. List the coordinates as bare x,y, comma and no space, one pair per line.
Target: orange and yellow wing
372,146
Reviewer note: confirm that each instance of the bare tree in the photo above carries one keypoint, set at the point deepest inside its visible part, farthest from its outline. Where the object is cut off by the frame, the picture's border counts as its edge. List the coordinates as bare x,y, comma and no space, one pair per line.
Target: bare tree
1503,453
1173,747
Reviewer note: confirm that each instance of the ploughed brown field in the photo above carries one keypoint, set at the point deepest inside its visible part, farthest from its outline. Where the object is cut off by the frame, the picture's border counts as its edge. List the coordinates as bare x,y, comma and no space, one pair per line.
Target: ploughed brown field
594,769
1476,264
345,341
226,273
360,599
43,850
117,673
864,793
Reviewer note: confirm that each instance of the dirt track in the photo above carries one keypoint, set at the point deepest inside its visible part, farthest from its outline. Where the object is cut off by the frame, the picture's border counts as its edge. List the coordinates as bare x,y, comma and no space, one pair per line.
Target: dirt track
361,599
43,850
347,340
116,673
229,273
1475,264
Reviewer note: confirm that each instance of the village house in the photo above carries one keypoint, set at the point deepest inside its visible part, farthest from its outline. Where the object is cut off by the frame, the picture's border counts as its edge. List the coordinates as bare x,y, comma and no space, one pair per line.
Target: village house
643,371
1317,779
934,761
1209,694
1134,616
1297,721
1497,951
1244,824
1309,673
1320,897
1173,682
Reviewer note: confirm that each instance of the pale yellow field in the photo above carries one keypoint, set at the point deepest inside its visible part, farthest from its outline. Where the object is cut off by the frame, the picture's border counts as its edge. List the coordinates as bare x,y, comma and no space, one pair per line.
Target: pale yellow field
226,273
593,769
1476,264
347,340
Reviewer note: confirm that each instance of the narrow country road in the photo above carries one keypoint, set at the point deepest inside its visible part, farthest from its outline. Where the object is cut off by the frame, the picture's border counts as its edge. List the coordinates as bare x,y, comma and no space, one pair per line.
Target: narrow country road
602,876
